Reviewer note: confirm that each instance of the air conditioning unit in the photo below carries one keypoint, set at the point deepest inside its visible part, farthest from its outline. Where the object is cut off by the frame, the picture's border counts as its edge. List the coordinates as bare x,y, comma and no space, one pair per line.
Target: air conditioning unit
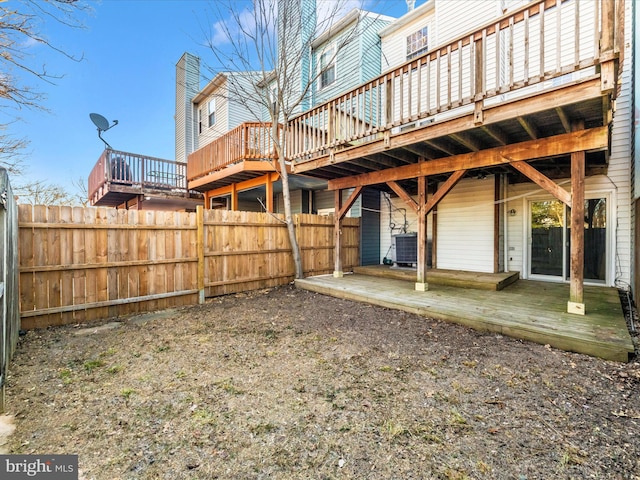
405,248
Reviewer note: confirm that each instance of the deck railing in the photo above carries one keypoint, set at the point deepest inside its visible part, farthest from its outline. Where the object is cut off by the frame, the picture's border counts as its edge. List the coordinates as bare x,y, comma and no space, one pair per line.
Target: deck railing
548,41
137,171
248,141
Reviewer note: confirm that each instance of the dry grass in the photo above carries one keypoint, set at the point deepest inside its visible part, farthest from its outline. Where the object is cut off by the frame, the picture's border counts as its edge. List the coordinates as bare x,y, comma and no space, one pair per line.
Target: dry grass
288,384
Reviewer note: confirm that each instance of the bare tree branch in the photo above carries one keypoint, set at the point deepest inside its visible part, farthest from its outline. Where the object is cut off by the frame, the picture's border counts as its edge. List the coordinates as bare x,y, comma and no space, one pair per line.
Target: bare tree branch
21,22
274,40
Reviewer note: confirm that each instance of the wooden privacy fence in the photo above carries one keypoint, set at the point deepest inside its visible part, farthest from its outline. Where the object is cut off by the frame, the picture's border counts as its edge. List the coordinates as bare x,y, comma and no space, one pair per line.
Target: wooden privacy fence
9,304
81,264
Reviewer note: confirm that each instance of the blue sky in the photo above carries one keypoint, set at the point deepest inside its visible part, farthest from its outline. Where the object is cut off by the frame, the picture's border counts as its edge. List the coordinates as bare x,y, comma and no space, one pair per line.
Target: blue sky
130,48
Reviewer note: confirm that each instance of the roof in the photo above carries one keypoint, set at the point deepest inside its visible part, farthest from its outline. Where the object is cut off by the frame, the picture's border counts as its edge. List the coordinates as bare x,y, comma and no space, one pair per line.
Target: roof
344,22
408,17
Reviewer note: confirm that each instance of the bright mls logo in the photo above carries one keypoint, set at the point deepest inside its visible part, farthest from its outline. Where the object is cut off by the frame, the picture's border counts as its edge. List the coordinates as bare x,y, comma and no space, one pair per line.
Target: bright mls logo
50,467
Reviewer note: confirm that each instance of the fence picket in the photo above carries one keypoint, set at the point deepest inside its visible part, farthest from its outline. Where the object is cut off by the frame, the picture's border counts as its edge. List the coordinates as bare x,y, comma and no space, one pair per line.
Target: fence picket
84,264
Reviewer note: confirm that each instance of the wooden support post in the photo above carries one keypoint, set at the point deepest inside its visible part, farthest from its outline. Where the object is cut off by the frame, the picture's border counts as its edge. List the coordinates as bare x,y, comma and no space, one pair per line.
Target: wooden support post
497,217
337,233
576,285
200,248
269,193
234,197
421,280
341,210
576,280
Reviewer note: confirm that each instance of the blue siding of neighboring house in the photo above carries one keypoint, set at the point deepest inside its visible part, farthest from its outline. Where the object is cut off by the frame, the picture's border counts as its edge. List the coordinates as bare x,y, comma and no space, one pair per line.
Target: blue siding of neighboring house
357,62
370,51
370,227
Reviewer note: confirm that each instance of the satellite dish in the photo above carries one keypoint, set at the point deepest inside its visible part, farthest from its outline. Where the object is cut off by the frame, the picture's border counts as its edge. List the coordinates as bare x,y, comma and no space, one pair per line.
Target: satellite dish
103,125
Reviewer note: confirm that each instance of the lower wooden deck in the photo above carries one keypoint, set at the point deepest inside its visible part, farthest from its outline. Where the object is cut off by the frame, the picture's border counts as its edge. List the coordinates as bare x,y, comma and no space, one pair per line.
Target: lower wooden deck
528,310
453,278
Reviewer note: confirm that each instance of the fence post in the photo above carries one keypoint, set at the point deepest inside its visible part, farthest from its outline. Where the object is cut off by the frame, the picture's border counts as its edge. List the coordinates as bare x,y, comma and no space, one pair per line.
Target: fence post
200,247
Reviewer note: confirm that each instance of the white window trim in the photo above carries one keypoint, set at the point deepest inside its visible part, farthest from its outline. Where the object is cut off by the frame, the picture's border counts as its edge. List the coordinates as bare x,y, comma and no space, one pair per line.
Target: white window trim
211,111
329,48
611,242
417,52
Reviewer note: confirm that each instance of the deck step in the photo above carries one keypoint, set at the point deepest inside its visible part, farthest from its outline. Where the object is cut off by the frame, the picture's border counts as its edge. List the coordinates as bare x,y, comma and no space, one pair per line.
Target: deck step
452,278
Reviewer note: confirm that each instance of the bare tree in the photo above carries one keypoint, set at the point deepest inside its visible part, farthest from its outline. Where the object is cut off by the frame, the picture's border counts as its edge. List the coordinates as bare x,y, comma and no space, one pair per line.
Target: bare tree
274,38
20,23
81,194
11,152
42,193
20,72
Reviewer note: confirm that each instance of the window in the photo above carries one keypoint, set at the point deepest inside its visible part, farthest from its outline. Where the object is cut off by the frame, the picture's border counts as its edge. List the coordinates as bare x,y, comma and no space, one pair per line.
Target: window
328,67
417,43
212,113
274,99
199,120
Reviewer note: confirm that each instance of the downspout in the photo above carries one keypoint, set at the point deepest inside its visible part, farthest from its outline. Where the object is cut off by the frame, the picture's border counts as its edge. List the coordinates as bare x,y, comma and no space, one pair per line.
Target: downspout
505,215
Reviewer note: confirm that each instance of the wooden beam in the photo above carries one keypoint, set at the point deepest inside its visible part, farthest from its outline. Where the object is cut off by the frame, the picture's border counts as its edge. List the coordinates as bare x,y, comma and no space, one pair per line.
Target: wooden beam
244,185
563,118
398,190
584,140
441,148
543,181
443,190
349,203
495,133
246,166
465,140
528,127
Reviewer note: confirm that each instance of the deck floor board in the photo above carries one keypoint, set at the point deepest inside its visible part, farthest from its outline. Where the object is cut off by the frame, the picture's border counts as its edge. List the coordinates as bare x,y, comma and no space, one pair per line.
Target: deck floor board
534,311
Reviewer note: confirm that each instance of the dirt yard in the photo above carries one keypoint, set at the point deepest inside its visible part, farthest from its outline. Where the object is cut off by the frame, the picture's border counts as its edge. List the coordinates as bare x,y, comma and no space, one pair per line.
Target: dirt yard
288,384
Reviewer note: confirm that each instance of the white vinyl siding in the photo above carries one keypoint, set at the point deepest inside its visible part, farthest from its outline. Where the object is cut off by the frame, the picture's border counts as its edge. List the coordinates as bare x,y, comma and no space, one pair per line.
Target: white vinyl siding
394,45
466,227
619,171
187,86
456,17
230,111
357,59
210,132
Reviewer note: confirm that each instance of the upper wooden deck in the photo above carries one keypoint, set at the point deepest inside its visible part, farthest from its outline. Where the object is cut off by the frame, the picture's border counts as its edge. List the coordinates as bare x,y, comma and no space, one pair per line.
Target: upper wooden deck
515,89
244,153
120,177
535,84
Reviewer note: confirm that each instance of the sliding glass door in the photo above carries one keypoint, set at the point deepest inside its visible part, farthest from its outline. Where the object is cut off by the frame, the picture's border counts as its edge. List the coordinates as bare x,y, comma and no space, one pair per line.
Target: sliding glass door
550,239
